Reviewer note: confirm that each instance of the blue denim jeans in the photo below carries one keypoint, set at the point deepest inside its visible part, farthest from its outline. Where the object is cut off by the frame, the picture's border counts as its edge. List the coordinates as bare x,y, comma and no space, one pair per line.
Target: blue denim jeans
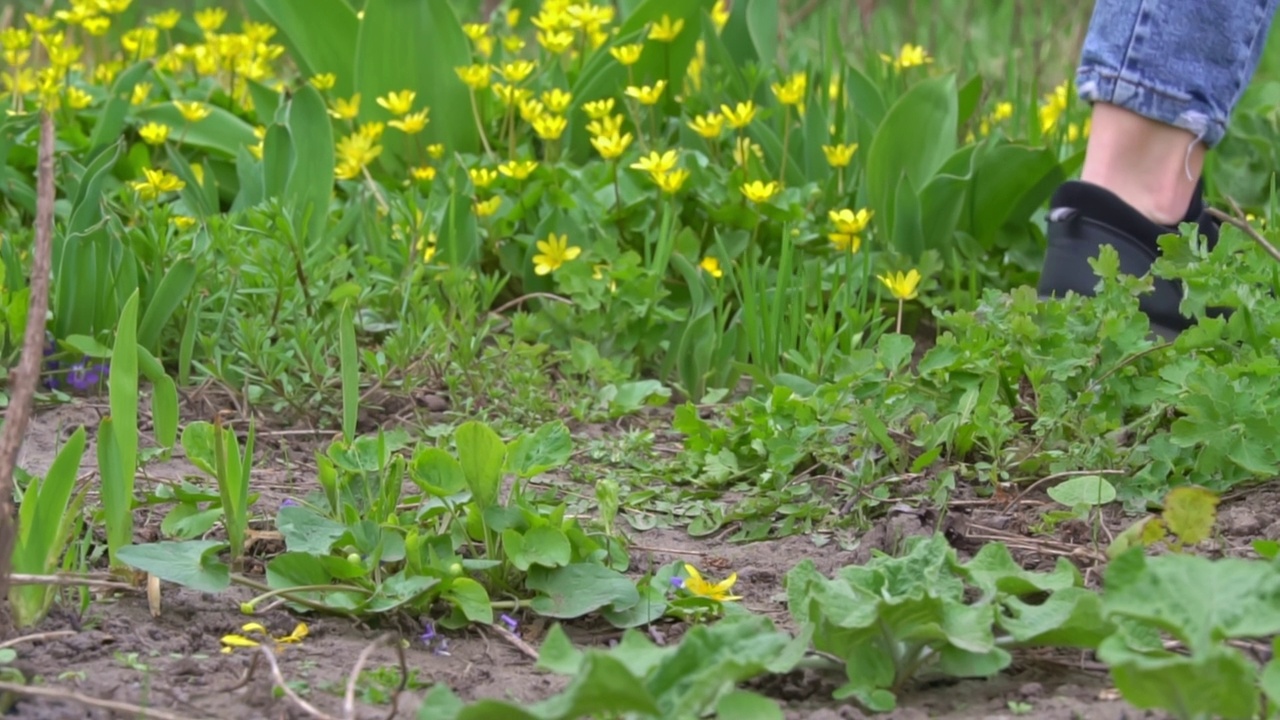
1181,62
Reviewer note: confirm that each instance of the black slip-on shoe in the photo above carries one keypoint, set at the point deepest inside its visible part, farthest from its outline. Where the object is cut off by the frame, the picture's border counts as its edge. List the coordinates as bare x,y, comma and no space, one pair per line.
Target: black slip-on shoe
1084,217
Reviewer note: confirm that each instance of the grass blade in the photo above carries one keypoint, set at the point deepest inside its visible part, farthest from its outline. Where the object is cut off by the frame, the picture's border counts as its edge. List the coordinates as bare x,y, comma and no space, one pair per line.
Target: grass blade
350,369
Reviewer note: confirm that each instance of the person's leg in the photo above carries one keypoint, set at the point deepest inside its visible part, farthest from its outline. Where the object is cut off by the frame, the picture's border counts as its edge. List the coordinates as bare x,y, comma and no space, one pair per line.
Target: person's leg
1163,77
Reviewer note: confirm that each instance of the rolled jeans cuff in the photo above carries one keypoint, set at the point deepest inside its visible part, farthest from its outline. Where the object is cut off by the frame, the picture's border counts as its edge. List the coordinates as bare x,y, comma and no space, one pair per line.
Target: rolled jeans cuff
1096,84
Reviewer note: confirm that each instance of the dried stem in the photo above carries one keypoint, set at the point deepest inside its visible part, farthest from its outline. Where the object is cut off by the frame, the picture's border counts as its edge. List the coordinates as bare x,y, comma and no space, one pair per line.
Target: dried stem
24,379
349,699
279,681
115,706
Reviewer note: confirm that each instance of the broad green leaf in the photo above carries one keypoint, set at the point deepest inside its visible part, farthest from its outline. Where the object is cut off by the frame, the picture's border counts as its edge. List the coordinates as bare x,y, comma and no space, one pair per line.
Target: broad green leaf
192,563
763,24
471,598
1190,513
384,64
168,297
651,606
349,361
220,132
187,521
1071,617
440,703
437,473
110,125
482,454
1215,681
277,161
746,705
603,686
547,546
306,531
548,448
575,590
320,35
122,382
310,187
993,569
1091,490
558,654
197,444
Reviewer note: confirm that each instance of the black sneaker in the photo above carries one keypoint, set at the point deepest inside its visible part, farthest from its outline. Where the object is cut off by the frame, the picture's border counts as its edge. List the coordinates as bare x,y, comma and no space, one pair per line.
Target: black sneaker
1084,217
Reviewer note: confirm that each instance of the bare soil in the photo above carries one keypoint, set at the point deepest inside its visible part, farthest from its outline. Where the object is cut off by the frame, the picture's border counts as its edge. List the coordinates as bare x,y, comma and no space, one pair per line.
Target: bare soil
118,651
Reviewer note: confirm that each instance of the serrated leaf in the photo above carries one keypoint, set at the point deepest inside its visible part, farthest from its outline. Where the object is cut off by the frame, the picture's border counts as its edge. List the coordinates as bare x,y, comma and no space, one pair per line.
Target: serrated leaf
1190,512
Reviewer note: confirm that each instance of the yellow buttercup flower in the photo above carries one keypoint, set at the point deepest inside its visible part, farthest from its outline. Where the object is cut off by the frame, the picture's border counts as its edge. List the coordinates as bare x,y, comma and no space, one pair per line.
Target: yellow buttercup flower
555,251
510,94
848,221
656,163
97,26
671,182
356,151
346,109
531,110
485,208
156,183
665,30
475,31
709,126
903,286
211,19
711,266
719,592
518,169
792,91
231,642
845,242
627,54
324,81
1003,111
597,109
557,100
1055,104
165,20
412,123
743,149
475,77
611,146
154,133
140,93
556,42
428,247
839,156
514,72
192,111
183,222
647,94
740,115
78,99
513,44
909,56
398,103
609,125
482,177
720,14
435,150
760,192
550,127
424,172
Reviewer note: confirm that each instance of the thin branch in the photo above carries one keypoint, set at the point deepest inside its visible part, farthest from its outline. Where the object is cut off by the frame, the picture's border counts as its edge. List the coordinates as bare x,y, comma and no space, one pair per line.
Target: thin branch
52,634
62,580
349,699
1243,224
305,706
23,380
115,706
515,641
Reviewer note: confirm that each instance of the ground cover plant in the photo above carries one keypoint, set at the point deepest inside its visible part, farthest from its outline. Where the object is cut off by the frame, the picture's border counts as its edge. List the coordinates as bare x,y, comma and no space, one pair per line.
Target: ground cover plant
635,359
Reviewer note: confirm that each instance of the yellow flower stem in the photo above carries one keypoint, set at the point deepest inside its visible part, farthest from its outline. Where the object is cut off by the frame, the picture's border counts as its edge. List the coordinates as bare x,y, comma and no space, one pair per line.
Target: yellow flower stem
511,130
635,119
475,112
901,303
377,192
786,139
617,196
840,181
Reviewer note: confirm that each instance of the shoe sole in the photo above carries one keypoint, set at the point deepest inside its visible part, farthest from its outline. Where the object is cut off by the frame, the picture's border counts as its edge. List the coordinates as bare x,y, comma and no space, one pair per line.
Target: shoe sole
1159,331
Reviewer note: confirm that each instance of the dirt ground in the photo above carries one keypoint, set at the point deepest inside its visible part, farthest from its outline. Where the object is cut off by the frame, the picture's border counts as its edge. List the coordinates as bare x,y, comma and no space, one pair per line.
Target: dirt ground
118,651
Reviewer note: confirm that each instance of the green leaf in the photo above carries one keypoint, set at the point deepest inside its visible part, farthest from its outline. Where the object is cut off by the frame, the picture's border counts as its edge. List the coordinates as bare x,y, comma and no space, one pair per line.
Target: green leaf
549,447
1091,490
320,35
306,531
384,64
310,187
122,383
350,367
192,563
110,125
651,606
437,473
471,598
762,25
277,160
440,703
558,654
994,570
482,454
547,546
220,132
168,297
745,705
1216,681
576,590
1071,617
603,687
1190,513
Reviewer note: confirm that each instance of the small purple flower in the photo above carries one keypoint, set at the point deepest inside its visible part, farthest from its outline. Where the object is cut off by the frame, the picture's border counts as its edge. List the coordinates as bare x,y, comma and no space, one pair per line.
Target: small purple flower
84,375
429,634
288,502
677,582
509,621
442,649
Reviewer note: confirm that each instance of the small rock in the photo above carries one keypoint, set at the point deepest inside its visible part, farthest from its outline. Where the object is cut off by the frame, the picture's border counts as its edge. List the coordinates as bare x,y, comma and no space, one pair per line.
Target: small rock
1239,520
1031,690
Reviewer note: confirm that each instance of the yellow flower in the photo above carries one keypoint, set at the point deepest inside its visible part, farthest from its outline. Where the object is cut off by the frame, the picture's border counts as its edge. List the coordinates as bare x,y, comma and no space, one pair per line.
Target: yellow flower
475,77
1003,111
485,208
192,111
531,110
398,103
435,150
909,56
78,99
555,252
427,246
740,115
475,31
611,146
183,222
839,156
482,177
324,81
157,182
792,91
140,93
372,130
355,151
550,127
647,94
557,100
656,163
743,149
597,109
39,23
849,222
154,133
556,42
412,123
12,38
698,586
165,20
665,30
627,54
671,182
514,72
140,42
611,125
510,94
97,26
846,242
513,17
211,19
346,109
720,14
513,44
708,126
903,286
231,642
712,267
424,172
1054,106
760,192
518,169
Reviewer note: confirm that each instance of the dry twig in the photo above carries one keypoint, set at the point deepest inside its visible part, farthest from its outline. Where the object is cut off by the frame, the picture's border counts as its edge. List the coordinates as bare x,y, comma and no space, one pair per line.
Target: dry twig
22,388
349,699
279,681
524,647
116,706
51,635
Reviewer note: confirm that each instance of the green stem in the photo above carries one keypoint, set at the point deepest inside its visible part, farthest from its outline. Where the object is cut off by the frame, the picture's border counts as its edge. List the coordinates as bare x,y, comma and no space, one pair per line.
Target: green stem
786,139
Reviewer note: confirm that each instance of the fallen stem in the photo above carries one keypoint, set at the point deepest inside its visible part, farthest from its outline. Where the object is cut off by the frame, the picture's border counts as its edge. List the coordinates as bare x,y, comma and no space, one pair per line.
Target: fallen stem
349,698
279,681
114,706
52,634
